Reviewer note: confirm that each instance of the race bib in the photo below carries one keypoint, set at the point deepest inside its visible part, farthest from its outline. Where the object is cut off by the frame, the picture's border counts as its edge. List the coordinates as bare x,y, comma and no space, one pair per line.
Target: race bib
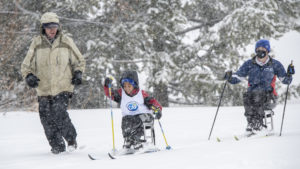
132,106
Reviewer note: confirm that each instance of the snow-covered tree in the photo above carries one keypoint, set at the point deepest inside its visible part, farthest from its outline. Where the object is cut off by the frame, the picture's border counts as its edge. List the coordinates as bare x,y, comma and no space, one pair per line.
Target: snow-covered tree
148,36
140,35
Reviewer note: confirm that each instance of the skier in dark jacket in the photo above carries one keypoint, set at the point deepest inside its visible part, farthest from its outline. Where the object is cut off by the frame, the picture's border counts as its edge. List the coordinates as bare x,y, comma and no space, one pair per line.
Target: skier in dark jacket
261,95
137,107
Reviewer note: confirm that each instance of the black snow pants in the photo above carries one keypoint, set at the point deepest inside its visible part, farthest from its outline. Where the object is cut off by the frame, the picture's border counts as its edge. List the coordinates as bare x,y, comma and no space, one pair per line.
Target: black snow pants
256,102
133,128
56,121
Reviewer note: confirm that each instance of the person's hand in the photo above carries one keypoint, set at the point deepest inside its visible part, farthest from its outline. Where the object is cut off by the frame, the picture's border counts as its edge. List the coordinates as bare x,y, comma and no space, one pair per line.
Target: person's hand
228,75
77,78
32,81
290,70
107,81
157,112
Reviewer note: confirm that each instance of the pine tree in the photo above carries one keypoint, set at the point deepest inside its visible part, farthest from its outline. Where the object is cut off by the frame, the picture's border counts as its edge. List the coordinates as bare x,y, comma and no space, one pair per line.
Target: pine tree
147,36
140,36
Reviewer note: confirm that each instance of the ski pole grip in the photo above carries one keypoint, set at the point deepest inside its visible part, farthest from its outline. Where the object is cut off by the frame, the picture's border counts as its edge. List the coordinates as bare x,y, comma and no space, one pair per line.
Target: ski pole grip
109,90
155,109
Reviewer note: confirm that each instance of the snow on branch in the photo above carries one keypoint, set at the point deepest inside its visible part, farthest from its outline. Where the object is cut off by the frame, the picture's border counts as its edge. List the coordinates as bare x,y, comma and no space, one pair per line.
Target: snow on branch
189,29
203,23
182,102
133,61
37,16
85,21
19,32
11,12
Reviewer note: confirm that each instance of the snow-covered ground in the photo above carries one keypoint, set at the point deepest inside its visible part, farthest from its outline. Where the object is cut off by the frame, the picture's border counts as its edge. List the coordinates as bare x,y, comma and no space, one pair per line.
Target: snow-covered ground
24,146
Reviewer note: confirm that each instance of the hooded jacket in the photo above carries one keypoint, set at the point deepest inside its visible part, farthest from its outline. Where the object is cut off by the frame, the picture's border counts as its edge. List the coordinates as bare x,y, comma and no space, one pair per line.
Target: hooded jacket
54,64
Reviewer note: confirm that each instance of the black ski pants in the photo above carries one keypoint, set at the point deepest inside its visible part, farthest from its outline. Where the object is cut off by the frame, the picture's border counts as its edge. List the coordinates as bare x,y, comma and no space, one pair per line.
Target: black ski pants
56,121
255,102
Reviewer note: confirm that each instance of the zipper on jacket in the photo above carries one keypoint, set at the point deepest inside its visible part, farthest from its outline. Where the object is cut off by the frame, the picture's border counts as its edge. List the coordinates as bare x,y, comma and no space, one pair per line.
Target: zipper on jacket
57,62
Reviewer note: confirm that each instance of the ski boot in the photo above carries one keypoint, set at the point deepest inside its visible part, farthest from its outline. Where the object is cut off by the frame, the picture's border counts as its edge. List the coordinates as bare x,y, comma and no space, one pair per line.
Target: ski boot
127,147
249,130
258,124
138,143
58,150
72,145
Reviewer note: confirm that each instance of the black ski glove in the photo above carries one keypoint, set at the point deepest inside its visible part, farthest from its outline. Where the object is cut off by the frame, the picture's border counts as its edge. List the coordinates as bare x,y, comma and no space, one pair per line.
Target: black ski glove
77,78
158,115
32,80
290,70
107,81
157,112
228,75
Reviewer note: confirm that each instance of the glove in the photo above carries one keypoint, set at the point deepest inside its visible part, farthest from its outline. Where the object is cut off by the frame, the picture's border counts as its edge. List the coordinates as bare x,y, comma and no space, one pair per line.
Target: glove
32,81
77,78
228,75
290,70
157,112
107,81
157,115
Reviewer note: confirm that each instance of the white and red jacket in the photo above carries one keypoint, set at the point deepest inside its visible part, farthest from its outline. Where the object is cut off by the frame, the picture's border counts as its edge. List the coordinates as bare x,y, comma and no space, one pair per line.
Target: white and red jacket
137,102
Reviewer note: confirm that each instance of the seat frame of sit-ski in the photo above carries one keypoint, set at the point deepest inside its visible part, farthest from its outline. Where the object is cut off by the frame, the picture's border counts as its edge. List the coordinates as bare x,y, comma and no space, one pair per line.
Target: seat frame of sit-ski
268,119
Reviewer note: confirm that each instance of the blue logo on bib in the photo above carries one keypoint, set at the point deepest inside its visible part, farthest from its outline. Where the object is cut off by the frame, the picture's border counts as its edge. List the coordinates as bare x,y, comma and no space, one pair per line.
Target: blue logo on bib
132,106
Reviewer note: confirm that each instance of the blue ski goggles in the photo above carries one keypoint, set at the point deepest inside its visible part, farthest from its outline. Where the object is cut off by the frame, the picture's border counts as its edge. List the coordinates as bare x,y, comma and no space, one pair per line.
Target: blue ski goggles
129,81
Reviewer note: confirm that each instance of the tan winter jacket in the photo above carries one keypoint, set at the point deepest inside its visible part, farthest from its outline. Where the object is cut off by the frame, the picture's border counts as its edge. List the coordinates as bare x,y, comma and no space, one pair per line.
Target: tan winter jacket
53,64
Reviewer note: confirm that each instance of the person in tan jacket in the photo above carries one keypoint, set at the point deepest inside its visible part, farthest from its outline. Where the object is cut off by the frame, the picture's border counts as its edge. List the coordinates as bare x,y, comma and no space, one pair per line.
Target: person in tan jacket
53,65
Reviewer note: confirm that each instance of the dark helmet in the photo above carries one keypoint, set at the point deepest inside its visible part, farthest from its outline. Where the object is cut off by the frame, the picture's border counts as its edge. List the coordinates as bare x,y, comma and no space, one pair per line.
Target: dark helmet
132,75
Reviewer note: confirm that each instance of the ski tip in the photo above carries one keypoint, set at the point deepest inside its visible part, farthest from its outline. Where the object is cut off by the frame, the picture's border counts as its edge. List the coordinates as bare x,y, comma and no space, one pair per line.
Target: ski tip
92,158
168,148
111,156
236,138
218,139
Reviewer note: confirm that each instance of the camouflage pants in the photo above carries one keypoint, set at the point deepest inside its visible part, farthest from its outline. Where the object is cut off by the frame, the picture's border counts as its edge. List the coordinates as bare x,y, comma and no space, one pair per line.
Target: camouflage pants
133,128
256,102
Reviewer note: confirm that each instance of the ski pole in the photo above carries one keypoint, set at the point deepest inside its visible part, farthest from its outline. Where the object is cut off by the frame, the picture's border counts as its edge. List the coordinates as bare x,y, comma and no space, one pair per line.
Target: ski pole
168,147
112,118
217,110
286,95
287,92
